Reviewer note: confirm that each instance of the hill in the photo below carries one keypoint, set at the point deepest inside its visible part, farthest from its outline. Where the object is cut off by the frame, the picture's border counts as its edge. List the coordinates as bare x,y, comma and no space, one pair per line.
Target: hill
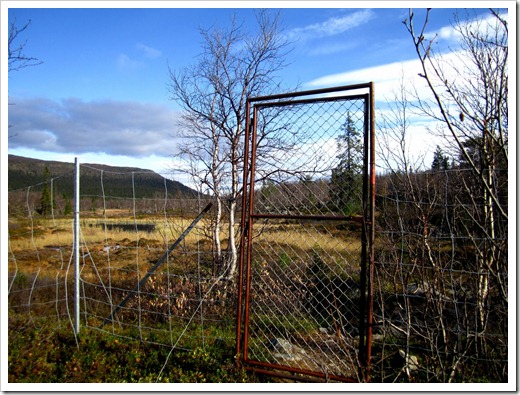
95,179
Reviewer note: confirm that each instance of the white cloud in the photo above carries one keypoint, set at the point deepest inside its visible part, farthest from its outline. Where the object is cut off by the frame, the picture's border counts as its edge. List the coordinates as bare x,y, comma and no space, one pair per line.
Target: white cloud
333,26
449,33
452,35
386,77
76,126
124,62
149,52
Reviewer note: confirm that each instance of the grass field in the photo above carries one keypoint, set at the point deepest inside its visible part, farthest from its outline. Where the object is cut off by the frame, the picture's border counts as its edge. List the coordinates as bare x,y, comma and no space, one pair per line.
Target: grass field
46,244
43,347
137,344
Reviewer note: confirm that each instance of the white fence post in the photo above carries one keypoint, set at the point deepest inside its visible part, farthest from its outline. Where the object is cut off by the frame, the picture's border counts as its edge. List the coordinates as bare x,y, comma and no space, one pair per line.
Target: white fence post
76,246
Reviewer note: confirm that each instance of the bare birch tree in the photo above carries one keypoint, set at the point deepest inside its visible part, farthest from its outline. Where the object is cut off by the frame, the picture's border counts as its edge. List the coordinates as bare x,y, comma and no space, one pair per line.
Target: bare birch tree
232,66
470,100
443,243
415,220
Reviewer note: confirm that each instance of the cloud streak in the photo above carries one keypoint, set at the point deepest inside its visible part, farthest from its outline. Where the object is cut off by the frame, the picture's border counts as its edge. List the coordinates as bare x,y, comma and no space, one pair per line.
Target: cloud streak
386,77
148,52
452,35
125,62
333,26
76,126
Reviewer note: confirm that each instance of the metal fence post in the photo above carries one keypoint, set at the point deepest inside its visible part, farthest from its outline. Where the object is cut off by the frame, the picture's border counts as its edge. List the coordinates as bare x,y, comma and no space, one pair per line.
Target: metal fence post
76,246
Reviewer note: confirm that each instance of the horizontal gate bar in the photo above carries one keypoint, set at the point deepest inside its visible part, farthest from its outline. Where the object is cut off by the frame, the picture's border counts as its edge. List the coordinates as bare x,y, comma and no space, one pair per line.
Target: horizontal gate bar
354,218
312,100
256,364
291,376
310,92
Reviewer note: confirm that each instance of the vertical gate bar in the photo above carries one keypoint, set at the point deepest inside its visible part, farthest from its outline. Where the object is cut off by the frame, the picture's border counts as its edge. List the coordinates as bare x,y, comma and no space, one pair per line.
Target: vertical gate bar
250,233
243,224
364,241
372,229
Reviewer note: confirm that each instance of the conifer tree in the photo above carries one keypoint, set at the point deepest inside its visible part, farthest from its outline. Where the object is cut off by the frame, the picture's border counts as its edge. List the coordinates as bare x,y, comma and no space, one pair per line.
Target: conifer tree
440,161
346,180
47,201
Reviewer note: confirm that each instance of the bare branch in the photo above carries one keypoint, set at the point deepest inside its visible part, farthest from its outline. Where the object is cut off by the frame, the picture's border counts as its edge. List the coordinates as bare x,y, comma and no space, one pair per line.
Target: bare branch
231,67
17,58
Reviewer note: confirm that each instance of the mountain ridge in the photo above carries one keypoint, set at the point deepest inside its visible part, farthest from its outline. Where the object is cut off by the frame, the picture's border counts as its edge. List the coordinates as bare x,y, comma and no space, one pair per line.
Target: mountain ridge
95,179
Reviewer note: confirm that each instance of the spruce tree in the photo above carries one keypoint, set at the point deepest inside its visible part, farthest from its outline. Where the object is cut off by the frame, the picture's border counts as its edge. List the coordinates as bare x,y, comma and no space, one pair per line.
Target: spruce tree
47,203
440,160
346,180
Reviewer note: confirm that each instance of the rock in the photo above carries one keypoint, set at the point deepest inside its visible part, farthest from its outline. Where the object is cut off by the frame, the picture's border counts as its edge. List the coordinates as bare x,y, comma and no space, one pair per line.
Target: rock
285,350
411,361
287,357
280,344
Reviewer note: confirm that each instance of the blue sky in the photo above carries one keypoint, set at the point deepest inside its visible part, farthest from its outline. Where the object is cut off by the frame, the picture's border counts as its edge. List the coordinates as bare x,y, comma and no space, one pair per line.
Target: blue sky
101,93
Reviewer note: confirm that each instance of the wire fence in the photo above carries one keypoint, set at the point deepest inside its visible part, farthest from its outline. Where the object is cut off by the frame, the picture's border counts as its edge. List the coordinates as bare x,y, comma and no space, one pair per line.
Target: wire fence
441,273
181,304
440,281
38,273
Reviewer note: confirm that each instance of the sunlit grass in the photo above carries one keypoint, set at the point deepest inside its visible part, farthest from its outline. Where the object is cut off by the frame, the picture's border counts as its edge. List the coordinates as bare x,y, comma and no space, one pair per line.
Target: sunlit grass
299,244
46,243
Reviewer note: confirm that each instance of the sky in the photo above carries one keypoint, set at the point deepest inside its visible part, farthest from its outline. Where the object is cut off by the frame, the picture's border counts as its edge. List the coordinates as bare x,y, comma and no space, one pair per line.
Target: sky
101,92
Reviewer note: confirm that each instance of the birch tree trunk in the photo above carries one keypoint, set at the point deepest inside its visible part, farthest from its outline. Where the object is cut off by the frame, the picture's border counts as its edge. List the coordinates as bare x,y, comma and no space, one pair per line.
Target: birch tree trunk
233,66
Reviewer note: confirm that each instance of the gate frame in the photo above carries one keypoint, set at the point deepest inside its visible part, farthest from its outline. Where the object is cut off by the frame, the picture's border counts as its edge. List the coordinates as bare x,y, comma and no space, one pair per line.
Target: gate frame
367,234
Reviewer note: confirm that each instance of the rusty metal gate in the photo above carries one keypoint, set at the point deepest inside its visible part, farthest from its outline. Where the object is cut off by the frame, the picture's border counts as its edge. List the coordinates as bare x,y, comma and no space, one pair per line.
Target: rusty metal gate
306,261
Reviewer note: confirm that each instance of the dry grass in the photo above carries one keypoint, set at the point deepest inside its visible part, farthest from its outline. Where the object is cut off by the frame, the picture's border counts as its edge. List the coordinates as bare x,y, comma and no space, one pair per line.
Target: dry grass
60,232
47,243
295,239
46,240
121,258
303,243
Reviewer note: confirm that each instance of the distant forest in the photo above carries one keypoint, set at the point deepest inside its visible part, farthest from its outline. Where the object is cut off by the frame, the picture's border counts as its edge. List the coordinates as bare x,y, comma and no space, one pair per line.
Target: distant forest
117,181
96,181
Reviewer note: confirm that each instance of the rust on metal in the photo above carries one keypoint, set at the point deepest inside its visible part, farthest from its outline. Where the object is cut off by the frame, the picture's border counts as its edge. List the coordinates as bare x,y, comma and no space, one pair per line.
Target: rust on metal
250,216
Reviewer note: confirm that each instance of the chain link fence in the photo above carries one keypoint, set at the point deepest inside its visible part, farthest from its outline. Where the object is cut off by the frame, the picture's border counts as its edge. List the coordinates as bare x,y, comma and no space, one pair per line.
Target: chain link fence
304,308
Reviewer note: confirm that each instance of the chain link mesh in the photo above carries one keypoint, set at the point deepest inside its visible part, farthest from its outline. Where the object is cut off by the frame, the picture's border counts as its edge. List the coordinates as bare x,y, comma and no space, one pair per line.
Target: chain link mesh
306,242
